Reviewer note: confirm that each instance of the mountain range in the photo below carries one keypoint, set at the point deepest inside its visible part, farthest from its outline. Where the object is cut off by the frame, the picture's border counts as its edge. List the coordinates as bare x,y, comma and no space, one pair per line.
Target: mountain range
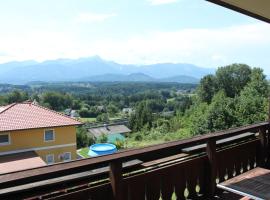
98,69
139,77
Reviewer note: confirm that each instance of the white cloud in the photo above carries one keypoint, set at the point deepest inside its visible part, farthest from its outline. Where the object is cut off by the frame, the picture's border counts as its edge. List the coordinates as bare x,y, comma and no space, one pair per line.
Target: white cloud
38,45
204,47
160,2
93,17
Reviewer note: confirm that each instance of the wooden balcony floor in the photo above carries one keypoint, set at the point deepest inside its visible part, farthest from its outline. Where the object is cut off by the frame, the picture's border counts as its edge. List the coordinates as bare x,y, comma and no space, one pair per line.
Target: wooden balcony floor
230,196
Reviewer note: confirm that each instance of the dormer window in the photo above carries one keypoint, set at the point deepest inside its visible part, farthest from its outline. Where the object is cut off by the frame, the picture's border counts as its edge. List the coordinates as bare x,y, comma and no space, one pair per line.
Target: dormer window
49,135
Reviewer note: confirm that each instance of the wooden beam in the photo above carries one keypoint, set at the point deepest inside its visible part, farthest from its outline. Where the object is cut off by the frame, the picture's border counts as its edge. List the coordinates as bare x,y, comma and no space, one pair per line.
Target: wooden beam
116,180
212,167
240,10
263,147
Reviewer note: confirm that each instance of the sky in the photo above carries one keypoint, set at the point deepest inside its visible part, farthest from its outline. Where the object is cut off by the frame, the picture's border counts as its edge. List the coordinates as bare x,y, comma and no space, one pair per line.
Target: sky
132,32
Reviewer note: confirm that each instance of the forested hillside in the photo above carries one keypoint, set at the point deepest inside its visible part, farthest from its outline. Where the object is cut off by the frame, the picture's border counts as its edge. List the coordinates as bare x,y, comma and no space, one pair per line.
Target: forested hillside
235,95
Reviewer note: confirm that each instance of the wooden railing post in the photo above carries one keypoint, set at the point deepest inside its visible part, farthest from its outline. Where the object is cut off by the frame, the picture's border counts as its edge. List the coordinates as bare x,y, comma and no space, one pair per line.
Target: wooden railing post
263,147
212,167
116,180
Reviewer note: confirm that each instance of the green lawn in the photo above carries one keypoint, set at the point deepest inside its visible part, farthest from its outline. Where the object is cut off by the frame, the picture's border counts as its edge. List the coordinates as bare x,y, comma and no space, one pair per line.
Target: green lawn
137,144
93,119
88,119
84,152
170,99
114,118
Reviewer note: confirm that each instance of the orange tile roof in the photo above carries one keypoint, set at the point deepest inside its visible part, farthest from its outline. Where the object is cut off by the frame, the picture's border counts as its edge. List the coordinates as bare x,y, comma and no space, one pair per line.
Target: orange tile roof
20,161
27,115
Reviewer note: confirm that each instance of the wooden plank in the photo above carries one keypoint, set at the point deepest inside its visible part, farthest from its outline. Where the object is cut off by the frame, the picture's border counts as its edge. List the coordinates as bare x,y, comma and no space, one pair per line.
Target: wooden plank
167,185
153,188
64,179
212,168
220,142
173,177
164,160
192,178
233,160
116,180
180,183
136,187
254,183
94,193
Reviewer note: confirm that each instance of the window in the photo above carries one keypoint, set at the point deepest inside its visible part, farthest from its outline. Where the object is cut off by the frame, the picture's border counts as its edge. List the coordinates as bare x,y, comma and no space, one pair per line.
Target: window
4,139
49,135
65,156
50,159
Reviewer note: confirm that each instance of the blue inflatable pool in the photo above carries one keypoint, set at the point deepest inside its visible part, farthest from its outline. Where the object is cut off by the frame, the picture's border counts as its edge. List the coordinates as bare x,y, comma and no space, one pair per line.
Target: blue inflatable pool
101,149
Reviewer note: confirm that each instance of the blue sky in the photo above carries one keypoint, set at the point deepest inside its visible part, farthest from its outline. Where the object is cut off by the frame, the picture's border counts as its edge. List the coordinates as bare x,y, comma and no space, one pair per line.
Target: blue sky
138,32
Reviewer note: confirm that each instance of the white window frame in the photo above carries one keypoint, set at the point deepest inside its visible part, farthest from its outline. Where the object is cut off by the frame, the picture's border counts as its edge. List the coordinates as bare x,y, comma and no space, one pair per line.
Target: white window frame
52,159
45,135
9,139
69,153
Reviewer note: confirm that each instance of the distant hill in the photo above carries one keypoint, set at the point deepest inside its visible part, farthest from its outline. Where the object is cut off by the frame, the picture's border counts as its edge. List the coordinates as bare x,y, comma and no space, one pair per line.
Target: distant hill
6,88
181,79
135,77
95,68
139,77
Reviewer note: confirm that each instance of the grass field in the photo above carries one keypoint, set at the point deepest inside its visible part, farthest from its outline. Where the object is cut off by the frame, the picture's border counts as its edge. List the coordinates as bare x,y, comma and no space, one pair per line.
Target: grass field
170,99
84,152
93,119
88,119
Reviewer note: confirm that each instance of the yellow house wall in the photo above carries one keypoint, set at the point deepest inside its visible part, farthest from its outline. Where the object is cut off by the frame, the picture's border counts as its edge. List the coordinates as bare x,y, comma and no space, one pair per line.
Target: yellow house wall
57,152
34,138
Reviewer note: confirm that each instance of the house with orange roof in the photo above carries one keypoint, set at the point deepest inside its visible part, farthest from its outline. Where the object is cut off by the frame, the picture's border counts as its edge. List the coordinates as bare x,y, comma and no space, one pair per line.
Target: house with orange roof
28,127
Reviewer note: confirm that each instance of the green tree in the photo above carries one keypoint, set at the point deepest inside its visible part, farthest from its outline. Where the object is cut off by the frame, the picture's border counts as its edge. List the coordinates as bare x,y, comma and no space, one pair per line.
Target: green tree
165,93
35,97
196,118
142,117
252,103
57,101
76,104
207,88
84,112
83,140
112,109
102,139
233,78
103,117
3,100
221,113
119,144
163,126
17,96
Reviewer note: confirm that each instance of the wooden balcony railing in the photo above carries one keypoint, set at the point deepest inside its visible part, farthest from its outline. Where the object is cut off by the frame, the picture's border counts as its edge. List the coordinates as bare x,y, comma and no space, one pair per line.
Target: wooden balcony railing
163,171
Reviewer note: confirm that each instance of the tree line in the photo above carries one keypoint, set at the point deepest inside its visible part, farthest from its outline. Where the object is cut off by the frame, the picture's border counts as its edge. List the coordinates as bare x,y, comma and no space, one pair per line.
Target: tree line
235,95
